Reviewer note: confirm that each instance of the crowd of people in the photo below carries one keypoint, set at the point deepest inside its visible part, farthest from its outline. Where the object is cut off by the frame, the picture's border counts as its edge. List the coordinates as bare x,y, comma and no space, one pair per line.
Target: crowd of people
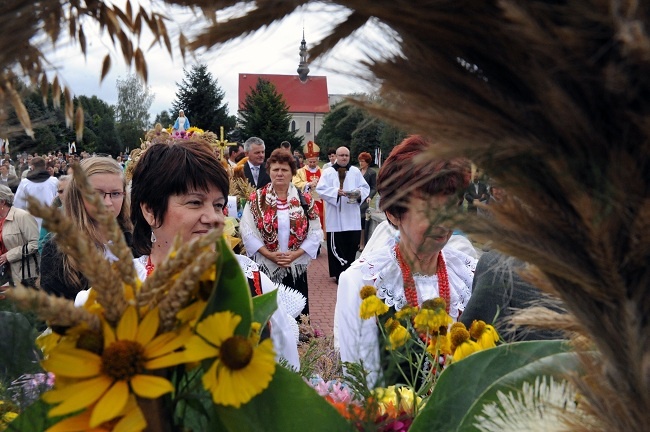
179,187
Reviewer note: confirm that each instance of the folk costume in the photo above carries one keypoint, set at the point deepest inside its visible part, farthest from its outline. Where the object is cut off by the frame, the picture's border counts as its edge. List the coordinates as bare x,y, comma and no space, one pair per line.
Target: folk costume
305,175
343,224
359,339
282,325
282,226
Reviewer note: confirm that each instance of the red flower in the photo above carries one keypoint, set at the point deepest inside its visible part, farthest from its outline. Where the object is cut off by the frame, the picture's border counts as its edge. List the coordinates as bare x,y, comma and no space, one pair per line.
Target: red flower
295,202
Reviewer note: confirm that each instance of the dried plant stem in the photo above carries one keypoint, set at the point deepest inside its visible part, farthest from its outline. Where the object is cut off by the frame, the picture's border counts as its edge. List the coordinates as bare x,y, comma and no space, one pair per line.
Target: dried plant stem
157,284
181,290
54,310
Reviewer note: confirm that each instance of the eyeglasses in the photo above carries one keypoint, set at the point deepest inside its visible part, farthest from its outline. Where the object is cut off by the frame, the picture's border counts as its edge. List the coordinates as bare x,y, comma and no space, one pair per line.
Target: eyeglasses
114,196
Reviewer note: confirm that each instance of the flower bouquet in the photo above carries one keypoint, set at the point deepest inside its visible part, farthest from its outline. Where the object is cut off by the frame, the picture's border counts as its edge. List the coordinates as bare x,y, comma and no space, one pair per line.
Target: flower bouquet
180,351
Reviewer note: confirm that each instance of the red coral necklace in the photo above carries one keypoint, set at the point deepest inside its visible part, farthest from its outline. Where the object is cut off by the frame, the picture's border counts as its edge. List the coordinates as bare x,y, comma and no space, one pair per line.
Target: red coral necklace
409,283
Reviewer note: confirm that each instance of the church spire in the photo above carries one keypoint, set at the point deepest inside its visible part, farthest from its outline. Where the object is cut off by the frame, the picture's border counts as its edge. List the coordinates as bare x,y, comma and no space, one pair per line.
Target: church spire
303,68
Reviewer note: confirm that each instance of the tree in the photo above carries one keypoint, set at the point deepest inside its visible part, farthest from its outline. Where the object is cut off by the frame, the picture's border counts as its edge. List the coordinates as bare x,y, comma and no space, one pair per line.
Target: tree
132,111
266,115
202,101
164,119
100,132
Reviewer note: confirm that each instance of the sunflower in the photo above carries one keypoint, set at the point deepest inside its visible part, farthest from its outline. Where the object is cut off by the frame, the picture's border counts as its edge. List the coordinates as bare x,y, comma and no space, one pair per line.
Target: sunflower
397,334
240,370
485,335
432,316
105,377
131,419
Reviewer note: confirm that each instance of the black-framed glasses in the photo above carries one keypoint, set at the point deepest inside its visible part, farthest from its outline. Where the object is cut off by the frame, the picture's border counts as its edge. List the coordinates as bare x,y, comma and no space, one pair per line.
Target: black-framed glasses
114,196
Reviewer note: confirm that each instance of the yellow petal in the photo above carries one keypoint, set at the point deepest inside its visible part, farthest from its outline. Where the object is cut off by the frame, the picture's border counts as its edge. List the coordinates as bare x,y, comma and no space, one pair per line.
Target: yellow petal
127,328
170,343
132,422
148,327
77,396
197,349
111,404
172,359
151,387
78,423
218,327
109,334
74,363
209,378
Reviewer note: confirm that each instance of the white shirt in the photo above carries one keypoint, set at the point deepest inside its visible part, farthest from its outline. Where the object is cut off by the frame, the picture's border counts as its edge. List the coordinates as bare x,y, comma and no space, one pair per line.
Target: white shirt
357,339
339,214
44,192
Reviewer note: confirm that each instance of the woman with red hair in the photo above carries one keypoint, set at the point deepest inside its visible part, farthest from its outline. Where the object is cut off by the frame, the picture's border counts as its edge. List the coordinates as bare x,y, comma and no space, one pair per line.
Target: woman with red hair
417,197
365,160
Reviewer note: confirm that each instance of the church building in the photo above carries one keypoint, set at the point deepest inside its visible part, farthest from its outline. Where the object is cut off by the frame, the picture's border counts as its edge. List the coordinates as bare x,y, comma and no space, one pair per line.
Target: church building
305,95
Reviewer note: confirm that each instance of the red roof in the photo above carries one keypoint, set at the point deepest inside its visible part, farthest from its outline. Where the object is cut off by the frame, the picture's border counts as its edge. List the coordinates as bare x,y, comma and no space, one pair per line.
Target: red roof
310,96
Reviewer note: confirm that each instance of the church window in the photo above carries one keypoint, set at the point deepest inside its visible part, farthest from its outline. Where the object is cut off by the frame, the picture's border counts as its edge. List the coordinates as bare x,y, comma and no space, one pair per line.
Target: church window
308,127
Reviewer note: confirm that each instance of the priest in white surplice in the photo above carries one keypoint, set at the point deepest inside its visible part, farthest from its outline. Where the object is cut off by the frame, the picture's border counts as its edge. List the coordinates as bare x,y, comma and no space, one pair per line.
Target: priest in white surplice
343,189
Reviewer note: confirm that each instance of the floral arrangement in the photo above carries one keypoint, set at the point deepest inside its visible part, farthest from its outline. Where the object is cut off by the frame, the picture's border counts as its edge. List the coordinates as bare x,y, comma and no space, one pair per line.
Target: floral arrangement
180,350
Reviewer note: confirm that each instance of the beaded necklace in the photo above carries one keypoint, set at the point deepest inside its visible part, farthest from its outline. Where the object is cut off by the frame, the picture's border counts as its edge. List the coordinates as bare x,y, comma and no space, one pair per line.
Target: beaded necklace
409,283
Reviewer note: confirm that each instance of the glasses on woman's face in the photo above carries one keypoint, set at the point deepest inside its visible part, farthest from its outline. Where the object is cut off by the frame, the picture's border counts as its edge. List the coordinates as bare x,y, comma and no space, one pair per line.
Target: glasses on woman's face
114,196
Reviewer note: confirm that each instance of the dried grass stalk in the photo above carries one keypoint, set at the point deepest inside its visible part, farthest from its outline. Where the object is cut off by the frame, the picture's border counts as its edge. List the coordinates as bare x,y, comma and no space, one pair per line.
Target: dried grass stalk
54,310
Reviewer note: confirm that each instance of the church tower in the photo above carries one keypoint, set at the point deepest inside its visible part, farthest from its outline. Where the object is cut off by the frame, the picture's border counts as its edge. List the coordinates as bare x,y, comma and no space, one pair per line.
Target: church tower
303,68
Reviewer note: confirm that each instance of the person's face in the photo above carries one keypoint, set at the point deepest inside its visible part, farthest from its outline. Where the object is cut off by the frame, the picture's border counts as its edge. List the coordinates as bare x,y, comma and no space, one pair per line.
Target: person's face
342,157
189,215
332,157
50,170
363,163
110,189
498,193
422,228
181,114
256,154
4,170
312,162
296,153
280,175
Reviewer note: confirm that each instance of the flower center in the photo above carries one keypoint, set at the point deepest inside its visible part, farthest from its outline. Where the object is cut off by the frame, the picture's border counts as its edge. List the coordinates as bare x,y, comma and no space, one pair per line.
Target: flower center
123,359
236,352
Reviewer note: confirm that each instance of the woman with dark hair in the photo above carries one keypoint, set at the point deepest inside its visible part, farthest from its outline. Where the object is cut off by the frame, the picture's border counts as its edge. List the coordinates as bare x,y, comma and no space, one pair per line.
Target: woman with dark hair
365,160
60,274
415,267
280,226
180,189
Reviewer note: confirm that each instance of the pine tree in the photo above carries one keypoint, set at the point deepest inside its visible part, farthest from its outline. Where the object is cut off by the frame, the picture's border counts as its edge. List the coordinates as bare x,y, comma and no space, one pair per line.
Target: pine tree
266,115
202,101
132,110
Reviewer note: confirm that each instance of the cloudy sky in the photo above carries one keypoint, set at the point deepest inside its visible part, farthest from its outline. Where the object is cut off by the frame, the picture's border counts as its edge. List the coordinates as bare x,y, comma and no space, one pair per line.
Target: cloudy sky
272,50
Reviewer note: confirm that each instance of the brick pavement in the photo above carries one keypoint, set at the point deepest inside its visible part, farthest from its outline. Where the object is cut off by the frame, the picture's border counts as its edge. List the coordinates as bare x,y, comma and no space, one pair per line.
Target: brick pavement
322,293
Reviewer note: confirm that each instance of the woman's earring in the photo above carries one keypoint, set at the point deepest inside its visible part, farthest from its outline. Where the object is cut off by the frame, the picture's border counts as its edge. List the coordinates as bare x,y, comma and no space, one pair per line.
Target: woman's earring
153,237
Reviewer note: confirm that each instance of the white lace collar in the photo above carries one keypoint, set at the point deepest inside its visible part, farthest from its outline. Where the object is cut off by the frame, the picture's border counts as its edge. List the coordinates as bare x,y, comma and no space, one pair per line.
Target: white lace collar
380,269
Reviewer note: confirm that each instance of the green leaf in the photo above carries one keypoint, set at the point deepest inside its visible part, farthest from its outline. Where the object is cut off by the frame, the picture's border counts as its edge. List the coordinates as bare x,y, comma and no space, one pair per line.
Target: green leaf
231,290
263,307
34,418
288,404
464,387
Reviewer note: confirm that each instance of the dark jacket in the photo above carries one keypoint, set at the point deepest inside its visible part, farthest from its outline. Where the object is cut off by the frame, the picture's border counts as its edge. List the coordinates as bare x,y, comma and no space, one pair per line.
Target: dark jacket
263,178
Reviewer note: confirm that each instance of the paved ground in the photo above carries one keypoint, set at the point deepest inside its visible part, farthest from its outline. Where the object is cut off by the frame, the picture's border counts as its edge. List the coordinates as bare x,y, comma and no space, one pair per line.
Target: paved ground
322,294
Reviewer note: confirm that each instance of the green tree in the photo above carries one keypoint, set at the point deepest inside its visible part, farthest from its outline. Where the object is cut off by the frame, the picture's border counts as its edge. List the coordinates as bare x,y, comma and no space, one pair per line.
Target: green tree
202,101
266,115
132,110
164,119
100,129
338,126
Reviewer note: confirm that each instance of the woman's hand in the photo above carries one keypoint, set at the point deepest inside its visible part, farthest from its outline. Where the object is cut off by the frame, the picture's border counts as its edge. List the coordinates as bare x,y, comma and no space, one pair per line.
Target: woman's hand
3,259
286,258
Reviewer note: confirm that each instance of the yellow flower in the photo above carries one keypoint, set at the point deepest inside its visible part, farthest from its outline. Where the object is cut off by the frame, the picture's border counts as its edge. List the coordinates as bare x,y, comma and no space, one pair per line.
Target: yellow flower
485,335
397,334
367,291
104,378
439,344
461,344
406,312
432,316
240,370
131,419
372,306
402,397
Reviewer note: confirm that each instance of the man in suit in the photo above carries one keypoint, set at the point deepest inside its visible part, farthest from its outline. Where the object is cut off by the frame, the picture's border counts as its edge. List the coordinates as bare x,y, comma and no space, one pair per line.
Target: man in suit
476,192
254,170
6,178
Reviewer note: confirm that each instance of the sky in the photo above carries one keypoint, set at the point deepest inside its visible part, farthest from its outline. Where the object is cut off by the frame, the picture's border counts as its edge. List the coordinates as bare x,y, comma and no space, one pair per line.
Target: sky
273,50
